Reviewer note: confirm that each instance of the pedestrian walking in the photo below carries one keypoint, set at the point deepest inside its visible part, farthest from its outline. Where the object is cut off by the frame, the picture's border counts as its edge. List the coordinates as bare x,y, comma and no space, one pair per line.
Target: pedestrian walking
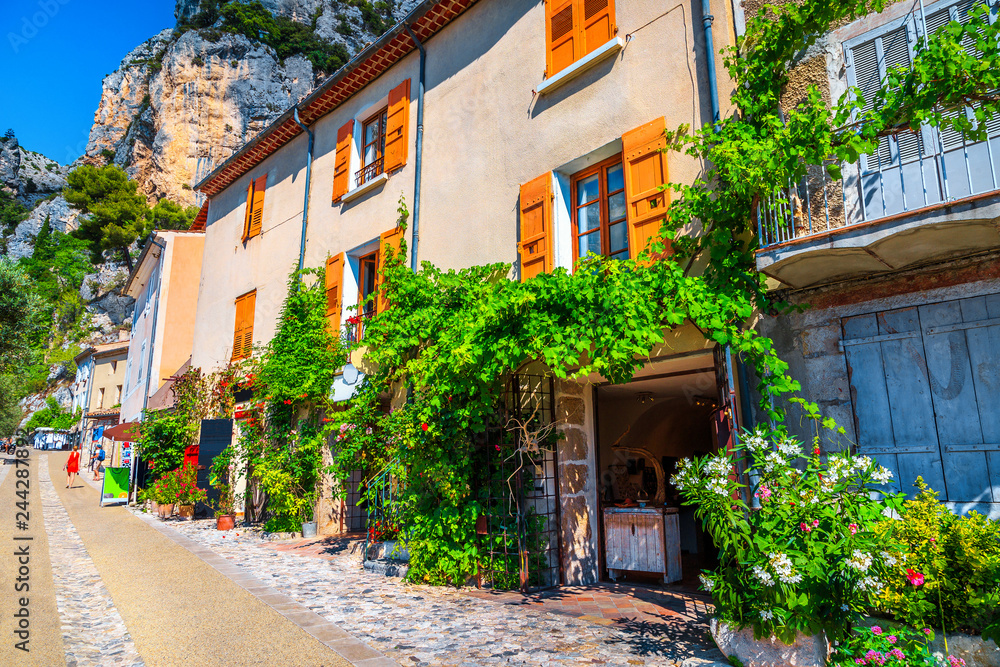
72,466
98,462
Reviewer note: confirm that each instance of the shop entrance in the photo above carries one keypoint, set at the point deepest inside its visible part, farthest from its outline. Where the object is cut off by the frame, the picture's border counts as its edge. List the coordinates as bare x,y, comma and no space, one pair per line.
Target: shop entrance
672,410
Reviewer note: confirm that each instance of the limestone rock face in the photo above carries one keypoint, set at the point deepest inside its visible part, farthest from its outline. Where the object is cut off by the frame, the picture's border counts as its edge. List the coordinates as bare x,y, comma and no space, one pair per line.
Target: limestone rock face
180,105
62,217
10,162
29,175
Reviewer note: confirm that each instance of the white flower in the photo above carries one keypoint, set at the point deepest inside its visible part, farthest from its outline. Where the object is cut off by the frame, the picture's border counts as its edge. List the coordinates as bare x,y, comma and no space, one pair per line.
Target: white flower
882,475
766,614
706,583
756,442
860,561
784,568
772,461
789,448
718,465
718,486
888,558
764,576
862,463
869,584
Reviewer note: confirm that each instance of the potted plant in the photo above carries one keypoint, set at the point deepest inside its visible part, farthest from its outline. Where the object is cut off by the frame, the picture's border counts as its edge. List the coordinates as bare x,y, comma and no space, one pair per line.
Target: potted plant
164,492
221,480
801,567
188,492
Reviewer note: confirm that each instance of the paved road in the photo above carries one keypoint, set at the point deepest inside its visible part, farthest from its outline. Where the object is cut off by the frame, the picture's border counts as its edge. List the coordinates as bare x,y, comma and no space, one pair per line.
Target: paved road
125,594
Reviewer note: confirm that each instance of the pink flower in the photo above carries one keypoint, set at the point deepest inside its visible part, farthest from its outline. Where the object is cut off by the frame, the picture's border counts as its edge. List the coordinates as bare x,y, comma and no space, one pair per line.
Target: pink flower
815,523
914,577
805,527
955,662
892,639
926,631
897,654
853,528
763,493
876,630
498,447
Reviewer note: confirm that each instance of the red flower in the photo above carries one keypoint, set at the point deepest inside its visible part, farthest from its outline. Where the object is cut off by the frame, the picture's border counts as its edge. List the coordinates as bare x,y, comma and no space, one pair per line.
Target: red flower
914,577
288,401
424,426
816,451
326,419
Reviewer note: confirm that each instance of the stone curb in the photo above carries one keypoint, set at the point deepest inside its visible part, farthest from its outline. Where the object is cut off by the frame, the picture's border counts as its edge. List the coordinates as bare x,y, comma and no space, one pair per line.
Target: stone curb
353,650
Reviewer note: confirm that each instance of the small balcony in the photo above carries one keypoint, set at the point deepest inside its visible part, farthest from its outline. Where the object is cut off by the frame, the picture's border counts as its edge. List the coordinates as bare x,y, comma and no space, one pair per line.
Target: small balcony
354,329
922,196
369,172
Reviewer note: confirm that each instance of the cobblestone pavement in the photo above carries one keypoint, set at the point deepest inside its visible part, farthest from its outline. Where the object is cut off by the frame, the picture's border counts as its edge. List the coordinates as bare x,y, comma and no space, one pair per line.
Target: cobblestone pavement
92,629
422,625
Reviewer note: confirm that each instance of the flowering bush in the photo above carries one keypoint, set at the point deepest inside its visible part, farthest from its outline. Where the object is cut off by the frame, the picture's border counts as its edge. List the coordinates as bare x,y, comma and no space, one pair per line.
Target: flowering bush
179,487
896,647
950,573
807,559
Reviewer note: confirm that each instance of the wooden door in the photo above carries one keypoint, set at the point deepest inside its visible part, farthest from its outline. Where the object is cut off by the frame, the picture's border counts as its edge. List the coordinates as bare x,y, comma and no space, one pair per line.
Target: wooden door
924,382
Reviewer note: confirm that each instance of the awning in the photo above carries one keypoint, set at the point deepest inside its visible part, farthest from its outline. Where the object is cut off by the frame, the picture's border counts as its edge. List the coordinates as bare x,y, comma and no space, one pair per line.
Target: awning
127,432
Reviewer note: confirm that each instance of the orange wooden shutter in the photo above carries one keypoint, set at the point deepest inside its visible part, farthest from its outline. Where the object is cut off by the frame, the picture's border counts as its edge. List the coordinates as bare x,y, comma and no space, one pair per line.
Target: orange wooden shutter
342,160
249,213
562,35
598,24
334,279
536,227
645,173
257,213
397,126
390,239
243,327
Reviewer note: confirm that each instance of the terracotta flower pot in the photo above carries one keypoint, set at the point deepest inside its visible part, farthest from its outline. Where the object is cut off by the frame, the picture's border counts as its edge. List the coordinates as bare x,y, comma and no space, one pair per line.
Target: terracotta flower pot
225,522
165,510
186,512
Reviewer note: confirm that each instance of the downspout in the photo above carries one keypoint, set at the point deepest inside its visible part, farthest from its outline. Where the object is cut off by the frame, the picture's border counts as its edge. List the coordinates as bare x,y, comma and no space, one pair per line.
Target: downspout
305,197
149,363
420,151
706,21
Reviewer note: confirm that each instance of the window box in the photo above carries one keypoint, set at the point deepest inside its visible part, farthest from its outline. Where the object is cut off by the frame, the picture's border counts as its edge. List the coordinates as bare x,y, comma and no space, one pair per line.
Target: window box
610,48
367,187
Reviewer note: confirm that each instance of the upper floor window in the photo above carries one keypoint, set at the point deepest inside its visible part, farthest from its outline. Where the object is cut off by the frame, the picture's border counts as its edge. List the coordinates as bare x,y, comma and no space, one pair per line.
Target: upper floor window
599,226
373,148
243,326
112,367
574,29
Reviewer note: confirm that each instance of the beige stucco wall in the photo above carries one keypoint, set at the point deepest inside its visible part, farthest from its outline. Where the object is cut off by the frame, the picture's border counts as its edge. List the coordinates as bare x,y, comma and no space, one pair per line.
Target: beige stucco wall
231,268
180,302
109,373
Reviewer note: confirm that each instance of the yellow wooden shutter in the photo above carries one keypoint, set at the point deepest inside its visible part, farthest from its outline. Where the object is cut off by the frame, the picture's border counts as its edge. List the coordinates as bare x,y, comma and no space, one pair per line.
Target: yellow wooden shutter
257,210
248,214
390,239
334,279
645,173
342,161
535,246
562,35
598,24
397,126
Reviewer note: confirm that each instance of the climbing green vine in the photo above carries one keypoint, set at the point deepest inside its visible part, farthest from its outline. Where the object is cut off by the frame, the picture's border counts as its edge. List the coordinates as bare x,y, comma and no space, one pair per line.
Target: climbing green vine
444,348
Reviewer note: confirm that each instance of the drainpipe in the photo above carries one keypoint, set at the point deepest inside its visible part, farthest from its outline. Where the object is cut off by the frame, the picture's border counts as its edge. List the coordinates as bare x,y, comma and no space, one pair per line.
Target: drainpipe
149,363
420,151
706,20
305,198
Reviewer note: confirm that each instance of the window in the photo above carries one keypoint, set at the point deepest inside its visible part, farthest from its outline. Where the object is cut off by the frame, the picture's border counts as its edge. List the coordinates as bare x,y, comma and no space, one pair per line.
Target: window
118,394
254,215
599,226
142,360
915,169
373,147
575,28
113,367
243,327
100,398
367,284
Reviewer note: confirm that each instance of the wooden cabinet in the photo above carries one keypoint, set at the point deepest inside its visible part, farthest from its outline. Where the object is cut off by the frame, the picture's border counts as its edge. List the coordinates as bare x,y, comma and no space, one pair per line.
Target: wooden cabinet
643,539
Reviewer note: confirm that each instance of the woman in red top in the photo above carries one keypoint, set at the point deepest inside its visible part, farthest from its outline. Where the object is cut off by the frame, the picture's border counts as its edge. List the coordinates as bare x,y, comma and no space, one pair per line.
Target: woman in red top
72,466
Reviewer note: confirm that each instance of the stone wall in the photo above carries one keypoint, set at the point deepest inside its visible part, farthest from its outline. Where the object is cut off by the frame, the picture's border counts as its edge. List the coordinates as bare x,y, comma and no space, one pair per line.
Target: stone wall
577,483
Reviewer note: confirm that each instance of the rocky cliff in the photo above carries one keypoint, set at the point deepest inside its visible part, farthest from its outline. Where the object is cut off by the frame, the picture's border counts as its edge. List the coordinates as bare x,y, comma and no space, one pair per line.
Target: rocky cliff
185,100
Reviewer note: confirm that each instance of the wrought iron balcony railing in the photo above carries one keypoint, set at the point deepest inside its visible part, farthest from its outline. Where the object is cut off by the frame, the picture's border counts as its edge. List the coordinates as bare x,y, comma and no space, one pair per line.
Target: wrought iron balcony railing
369,171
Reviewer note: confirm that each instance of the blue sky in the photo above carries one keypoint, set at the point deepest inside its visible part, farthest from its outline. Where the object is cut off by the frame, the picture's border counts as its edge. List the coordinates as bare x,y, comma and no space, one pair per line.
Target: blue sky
54,55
